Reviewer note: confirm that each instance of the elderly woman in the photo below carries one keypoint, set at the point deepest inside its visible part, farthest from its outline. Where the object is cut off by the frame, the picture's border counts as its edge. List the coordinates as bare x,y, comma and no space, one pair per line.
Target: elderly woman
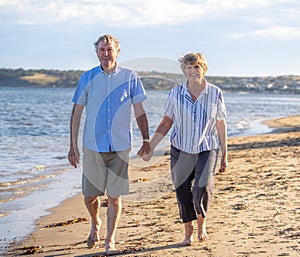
197,113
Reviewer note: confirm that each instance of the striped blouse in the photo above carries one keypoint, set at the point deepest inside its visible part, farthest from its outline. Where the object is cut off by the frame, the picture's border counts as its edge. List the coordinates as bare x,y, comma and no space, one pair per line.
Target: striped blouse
194,123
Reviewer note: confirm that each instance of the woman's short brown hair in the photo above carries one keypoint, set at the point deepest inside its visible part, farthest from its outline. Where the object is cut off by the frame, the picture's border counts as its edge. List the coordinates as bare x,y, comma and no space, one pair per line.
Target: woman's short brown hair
193,58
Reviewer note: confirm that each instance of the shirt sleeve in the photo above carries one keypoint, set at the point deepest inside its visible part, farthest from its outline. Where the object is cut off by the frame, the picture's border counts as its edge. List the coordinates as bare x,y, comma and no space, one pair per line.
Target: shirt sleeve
80,95
221,109
138,93
169,107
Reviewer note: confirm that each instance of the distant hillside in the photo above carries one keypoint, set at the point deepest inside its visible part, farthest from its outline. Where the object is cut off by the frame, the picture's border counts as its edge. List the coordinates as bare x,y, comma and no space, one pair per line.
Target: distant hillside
38,78
151,80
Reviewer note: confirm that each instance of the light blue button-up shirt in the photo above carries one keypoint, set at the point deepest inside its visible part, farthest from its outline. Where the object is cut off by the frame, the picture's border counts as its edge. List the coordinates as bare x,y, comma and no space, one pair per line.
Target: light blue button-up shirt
107,100
194,123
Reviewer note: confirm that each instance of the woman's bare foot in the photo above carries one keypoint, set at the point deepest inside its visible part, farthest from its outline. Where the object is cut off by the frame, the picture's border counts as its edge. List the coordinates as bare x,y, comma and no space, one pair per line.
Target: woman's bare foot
202,235
189,230
187,242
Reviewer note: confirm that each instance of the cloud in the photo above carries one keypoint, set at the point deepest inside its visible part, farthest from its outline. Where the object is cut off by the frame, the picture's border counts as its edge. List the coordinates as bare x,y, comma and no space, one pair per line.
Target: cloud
124,12
120,13
279,33
281,22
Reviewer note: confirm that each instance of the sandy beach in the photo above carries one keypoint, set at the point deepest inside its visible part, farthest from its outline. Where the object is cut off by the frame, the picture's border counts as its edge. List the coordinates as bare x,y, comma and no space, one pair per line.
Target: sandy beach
255,210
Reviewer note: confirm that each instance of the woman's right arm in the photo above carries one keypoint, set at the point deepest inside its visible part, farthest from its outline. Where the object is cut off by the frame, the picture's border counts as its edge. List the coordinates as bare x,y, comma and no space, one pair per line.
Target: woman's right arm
161,131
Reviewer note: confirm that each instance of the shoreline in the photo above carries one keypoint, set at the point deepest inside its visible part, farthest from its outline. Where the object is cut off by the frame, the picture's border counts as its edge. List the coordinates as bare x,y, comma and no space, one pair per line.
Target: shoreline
259,200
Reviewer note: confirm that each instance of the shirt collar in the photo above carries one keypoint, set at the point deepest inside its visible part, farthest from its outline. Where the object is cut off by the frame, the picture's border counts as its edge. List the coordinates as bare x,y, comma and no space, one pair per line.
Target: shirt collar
116,70
186,92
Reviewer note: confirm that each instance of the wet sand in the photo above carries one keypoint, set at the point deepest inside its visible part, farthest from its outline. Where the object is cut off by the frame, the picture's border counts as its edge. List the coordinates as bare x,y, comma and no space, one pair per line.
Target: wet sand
255,210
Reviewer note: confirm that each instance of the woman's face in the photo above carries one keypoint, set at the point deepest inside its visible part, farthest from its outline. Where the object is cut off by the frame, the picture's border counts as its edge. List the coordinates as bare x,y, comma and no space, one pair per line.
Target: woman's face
194,72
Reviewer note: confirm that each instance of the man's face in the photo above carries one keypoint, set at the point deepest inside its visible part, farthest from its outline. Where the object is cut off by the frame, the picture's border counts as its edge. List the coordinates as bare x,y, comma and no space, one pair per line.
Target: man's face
107,54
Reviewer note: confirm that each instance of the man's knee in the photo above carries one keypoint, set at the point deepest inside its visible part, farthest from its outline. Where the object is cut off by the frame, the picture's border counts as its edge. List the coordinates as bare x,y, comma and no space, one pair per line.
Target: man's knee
89,200
114,200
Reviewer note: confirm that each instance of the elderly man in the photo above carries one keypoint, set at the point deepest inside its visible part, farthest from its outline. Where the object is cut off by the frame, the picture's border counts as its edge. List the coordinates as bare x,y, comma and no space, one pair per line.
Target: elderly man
107,92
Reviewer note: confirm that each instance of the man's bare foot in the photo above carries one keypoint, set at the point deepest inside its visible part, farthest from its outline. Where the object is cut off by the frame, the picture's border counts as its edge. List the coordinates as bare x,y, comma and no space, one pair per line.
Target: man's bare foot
94,238
110,248
189,230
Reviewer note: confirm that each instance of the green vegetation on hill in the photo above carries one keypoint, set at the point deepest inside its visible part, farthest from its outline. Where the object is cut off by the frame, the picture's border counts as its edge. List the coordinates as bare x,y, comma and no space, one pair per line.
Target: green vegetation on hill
38,78
151,80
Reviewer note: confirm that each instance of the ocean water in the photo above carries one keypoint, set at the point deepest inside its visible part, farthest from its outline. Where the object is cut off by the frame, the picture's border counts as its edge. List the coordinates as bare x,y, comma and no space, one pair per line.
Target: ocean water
34,141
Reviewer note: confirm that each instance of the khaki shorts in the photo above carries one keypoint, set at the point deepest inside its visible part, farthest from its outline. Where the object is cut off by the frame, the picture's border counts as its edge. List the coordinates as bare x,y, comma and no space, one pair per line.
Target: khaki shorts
105,173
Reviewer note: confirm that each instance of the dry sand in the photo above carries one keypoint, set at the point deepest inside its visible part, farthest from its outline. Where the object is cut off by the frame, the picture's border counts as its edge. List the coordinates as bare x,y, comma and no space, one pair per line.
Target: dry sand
255,210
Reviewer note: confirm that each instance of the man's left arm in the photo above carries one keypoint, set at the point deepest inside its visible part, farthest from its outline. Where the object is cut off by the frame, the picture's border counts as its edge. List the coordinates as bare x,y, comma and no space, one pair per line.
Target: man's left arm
142,121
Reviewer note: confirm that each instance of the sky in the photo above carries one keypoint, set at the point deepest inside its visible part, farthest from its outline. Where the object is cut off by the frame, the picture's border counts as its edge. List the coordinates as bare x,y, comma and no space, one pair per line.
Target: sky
237,37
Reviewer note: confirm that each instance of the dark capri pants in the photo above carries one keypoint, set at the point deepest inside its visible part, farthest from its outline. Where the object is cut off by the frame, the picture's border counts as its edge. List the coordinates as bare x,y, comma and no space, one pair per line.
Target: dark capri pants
193,179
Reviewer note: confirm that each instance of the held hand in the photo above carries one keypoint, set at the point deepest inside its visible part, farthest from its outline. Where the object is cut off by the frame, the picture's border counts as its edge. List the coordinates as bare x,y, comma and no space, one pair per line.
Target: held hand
74,157
148,156
145,149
